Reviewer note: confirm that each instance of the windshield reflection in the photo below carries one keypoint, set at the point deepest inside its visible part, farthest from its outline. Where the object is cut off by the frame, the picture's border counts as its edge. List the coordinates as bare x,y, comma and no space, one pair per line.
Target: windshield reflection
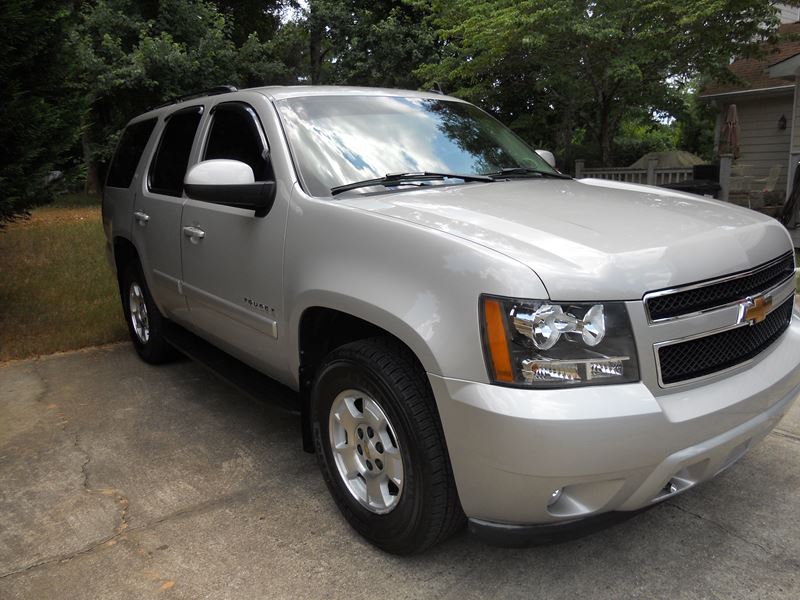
343,139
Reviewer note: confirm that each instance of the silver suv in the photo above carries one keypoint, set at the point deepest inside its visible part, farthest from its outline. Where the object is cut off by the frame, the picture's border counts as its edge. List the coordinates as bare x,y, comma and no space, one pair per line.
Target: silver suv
470,334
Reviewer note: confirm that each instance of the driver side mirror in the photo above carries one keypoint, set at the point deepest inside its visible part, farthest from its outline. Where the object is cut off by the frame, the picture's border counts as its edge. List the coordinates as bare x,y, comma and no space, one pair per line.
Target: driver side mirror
548,157
230,183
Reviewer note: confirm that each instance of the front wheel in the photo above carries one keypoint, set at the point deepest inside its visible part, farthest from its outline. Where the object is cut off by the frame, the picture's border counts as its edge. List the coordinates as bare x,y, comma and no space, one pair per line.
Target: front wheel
381,449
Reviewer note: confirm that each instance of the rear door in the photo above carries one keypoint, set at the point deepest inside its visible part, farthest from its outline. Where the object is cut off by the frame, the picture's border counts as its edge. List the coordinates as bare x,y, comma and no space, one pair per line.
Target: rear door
232,275
157,211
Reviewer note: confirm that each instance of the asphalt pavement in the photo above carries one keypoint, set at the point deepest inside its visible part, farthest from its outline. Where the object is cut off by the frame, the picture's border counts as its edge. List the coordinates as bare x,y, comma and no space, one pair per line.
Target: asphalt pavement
123,480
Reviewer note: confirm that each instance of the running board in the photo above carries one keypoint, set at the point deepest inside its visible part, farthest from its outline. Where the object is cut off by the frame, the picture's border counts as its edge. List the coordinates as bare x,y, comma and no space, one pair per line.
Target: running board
248,380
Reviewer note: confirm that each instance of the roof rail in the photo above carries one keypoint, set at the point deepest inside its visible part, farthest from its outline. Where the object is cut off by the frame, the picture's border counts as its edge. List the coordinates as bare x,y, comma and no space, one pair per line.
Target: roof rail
220,89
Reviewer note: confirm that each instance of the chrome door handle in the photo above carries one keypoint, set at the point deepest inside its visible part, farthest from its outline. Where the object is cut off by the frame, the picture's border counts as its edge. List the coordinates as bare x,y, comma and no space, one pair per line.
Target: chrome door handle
195,234
141,217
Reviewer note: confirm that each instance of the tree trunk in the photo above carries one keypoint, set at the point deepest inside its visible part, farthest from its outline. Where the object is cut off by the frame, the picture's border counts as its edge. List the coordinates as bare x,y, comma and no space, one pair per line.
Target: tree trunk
606,136
92,184
315,46
563,141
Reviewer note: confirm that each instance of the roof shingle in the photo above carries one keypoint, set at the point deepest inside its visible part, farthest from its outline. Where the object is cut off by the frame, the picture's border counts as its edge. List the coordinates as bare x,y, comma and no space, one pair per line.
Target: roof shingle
753,72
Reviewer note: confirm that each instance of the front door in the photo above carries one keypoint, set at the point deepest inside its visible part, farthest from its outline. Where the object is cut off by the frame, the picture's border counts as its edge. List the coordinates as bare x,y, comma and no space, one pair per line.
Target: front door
232,260
157,211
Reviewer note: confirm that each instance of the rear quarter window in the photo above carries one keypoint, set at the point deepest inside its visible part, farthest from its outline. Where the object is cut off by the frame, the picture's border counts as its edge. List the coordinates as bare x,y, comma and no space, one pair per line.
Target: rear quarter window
129,151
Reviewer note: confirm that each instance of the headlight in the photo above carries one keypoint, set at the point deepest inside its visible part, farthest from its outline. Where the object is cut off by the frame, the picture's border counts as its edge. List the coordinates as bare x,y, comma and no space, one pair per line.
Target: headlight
538,343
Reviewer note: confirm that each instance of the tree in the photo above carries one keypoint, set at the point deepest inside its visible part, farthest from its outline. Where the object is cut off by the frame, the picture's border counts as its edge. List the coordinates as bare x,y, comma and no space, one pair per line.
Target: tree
39,108
134,55
384,43
695,122
363,42
569,65
247,17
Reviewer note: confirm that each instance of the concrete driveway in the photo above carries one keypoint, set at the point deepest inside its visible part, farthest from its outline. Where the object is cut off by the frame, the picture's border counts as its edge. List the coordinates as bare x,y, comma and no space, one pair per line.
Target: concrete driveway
120,480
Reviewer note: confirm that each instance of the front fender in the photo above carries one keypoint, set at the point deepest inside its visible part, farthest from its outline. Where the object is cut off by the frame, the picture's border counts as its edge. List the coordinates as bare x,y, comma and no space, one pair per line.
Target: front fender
419,284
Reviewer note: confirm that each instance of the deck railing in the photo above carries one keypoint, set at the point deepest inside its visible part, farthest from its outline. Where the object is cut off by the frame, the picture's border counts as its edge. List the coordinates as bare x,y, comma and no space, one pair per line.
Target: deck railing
652,175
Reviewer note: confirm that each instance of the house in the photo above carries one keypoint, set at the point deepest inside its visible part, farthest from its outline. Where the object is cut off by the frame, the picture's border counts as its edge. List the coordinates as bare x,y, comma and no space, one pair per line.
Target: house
768,107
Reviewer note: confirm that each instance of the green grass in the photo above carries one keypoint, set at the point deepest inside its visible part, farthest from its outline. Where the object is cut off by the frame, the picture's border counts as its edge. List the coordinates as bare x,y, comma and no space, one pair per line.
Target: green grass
57,292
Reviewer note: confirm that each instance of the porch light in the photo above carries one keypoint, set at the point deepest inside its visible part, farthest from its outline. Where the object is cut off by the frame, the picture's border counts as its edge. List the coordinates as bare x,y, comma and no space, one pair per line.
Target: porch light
782,122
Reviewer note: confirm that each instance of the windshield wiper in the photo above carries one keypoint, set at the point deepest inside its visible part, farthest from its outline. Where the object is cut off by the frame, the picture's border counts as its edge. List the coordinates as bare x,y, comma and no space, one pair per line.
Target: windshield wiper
391,179
512,171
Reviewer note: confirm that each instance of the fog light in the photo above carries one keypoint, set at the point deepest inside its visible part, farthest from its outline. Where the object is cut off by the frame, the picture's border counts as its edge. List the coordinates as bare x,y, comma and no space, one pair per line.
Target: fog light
554,497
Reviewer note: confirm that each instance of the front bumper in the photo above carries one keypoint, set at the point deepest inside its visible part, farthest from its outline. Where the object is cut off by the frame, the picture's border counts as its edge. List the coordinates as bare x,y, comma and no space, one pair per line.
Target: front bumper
608,448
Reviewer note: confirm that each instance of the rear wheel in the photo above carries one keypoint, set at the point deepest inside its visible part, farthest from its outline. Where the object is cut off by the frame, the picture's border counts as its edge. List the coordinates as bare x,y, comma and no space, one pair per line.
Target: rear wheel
145,323
380,446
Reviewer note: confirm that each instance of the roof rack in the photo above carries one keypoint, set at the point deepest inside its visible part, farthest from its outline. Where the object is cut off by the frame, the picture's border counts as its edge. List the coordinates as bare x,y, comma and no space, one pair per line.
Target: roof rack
214,91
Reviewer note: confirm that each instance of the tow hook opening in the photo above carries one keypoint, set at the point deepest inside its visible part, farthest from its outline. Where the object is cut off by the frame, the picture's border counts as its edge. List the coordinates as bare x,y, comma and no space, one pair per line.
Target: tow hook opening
682,480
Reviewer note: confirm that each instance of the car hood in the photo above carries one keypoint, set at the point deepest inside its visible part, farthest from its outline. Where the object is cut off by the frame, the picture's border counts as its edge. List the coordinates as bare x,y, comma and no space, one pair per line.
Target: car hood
592,239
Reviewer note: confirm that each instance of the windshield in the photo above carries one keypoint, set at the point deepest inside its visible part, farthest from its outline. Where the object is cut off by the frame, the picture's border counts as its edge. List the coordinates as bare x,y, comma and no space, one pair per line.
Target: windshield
337,140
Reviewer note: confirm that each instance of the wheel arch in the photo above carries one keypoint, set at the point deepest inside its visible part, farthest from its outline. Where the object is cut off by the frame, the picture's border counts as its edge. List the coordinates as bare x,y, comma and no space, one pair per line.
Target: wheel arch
345,319
124,253
323,326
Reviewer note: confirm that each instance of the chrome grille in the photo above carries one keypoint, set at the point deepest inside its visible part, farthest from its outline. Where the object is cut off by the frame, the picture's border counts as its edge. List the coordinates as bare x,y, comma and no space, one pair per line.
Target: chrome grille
703,296
695,358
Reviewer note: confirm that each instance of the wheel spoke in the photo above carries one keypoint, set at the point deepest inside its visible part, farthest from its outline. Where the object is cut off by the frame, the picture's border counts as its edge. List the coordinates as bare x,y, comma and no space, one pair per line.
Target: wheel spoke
375,492
393,466
348,415
374,415
348,460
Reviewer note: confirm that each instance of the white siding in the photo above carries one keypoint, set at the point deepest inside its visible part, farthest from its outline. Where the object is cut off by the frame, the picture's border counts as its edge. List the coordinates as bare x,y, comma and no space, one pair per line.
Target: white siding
789,14
762,143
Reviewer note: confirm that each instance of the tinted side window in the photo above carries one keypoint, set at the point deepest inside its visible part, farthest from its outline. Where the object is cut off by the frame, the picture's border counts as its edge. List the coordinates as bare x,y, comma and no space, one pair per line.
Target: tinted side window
129,151
236,134
172,157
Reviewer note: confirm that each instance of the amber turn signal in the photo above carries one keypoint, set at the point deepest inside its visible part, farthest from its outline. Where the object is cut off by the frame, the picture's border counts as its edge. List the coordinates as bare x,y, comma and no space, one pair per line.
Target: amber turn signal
496,341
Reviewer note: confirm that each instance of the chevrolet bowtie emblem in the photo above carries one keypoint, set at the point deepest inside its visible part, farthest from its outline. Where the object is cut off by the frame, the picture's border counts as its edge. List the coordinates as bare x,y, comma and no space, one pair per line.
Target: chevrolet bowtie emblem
755,310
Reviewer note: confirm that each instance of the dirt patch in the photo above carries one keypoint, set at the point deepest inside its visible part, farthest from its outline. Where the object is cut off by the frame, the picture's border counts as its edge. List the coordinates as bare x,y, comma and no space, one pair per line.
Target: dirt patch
49,215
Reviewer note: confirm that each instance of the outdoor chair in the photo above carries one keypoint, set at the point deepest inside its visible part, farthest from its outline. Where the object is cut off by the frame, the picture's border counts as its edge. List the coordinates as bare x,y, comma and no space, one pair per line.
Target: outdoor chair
740,183
764,185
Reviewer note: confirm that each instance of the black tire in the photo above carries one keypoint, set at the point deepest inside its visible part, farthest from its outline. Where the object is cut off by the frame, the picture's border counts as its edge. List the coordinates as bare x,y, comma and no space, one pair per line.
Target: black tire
155,350
427,511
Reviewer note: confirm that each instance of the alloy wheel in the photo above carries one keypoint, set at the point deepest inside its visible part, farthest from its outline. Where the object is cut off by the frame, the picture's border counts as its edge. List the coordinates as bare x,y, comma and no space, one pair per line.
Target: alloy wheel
366,451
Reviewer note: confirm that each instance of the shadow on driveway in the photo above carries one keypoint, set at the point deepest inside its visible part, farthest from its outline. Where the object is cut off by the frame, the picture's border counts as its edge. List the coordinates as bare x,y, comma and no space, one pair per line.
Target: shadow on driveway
122,480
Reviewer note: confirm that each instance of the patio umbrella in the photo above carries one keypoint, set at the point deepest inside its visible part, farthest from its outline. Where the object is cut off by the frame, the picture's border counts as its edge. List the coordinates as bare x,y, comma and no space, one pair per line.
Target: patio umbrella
730,133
